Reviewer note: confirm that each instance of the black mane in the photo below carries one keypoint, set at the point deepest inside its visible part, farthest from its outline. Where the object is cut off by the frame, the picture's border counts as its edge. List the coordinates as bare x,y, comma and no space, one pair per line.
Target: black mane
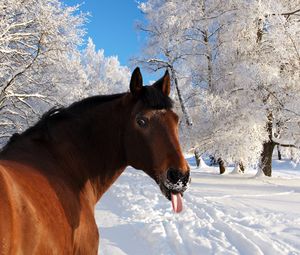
150,96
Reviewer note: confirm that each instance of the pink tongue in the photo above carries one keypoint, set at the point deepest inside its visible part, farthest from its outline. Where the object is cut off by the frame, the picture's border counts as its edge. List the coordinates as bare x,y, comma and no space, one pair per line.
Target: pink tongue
176,202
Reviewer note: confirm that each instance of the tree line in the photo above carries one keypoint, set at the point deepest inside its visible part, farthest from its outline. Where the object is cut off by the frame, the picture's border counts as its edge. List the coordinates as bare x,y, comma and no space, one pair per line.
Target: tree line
236,72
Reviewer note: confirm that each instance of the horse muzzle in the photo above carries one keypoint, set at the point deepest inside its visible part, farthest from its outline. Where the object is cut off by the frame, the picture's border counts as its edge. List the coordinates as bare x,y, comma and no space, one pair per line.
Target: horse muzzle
175,182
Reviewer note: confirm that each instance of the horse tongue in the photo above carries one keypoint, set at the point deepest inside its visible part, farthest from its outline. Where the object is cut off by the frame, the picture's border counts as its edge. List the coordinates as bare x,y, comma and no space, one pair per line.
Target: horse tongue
176,202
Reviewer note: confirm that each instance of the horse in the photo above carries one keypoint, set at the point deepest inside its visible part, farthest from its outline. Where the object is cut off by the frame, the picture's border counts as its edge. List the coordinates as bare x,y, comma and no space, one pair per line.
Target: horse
53,174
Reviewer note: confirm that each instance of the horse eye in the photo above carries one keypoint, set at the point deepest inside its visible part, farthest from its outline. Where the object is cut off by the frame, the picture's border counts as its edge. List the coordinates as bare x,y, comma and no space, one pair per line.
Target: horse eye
142,122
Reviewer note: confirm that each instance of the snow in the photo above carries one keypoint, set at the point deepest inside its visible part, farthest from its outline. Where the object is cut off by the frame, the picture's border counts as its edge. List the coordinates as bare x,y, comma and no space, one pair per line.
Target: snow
223,214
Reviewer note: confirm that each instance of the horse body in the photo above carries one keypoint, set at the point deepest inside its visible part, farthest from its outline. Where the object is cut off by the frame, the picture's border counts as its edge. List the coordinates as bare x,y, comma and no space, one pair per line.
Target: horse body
52,175
50,184
29,207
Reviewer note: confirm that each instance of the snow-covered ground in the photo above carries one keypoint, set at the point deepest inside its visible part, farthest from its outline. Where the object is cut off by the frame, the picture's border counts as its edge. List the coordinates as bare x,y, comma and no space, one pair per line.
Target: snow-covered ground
228,214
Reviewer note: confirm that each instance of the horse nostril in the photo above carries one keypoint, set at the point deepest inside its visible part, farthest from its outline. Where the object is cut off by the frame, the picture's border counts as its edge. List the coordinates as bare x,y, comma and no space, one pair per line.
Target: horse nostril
174,175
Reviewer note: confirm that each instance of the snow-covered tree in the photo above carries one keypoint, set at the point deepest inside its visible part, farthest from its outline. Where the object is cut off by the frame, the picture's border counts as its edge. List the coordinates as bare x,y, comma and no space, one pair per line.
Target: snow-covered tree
259,62
241,59
165,45
265,67
38,44
185,36
105,75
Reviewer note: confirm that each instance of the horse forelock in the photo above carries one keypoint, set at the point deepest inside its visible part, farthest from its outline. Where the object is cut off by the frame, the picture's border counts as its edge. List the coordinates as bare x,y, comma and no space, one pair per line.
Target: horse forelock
155,99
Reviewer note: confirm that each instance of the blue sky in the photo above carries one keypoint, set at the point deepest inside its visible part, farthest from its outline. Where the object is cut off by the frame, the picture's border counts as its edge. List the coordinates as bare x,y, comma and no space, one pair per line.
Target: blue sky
112,26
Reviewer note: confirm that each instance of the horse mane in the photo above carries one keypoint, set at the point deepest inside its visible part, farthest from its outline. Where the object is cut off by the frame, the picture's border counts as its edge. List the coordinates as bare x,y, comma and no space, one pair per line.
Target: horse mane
150,96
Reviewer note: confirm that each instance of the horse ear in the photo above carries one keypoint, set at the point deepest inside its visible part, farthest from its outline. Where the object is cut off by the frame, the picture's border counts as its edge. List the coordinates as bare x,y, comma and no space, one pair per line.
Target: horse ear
164,84
136,82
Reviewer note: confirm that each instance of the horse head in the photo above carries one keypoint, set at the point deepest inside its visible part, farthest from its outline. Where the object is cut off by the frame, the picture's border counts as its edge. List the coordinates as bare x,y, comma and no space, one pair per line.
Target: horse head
151,140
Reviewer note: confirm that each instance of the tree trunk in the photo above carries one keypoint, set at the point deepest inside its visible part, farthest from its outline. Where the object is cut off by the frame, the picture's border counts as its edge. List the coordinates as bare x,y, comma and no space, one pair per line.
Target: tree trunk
242,168
279,153
238,168
209,62
292,154
186,115
197,157
221,165
265,163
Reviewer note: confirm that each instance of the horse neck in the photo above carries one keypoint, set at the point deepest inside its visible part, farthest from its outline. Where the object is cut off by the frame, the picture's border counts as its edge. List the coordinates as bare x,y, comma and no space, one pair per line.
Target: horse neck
95,154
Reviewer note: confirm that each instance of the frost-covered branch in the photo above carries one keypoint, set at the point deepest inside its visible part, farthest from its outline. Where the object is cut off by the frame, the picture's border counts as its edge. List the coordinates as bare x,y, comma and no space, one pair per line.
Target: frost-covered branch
20,72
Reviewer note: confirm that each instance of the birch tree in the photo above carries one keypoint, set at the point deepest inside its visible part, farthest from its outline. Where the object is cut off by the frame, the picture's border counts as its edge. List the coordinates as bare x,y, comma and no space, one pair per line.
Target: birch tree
165,44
